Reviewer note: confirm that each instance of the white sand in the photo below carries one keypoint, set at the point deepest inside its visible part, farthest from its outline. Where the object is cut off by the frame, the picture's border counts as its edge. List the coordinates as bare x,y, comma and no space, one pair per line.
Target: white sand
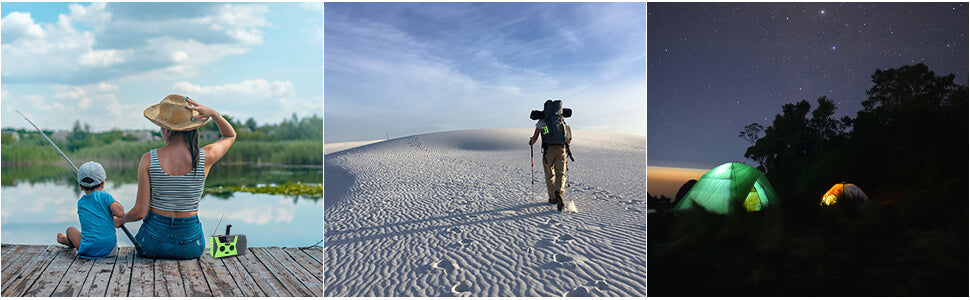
337,147
452,214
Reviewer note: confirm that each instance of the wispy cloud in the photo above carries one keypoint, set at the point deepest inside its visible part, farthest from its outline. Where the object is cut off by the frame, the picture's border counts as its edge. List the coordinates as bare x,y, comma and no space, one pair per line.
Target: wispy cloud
428,67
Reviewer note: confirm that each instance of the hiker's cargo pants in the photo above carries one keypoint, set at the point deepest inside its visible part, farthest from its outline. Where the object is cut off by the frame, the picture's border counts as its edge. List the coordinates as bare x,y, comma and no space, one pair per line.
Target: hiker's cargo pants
554,165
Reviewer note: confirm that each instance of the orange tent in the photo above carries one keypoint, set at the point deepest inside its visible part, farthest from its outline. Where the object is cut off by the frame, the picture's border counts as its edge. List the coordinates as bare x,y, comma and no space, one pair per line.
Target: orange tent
843,191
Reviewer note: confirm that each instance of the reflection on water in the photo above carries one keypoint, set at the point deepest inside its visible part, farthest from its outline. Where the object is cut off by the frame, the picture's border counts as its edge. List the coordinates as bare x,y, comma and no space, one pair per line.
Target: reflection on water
40,203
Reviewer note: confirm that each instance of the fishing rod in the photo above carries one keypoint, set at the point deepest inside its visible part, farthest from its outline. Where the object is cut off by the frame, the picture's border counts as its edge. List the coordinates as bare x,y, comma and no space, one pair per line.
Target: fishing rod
123,228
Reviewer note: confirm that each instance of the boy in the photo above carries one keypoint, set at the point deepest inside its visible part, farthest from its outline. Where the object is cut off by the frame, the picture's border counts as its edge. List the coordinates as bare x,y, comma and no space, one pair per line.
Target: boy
95,211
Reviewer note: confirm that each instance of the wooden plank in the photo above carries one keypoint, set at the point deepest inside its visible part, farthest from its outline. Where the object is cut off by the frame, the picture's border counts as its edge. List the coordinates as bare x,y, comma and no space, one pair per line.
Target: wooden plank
121,273
5,247
70,285
218,277
16,262
315,252
194,279
57,271
52,275
245,281
9,254
168,279
312,281
18,286
264,278
290,281
307,261
142,277
96,283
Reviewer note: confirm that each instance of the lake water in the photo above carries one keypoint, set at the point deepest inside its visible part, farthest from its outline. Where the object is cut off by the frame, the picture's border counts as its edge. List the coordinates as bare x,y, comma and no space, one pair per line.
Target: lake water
39,202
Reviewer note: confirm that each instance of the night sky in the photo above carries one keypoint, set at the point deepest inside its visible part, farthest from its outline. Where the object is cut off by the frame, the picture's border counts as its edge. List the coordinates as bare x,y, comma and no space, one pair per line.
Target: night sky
714,68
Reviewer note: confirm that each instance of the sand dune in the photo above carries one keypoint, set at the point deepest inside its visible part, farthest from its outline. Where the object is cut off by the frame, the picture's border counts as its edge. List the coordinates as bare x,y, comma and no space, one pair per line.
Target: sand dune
337,147
453,214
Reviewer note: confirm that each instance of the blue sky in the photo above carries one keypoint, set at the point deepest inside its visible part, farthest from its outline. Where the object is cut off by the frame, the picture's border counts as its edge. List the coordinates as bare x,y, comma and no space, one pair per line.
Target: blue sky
103,64
411,68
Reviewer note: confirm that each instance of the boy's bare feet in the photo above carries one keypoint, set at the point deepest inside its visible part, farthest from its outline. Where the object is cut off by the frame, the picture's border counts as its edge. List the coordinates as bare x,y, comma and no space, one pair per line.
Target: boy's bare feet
61,238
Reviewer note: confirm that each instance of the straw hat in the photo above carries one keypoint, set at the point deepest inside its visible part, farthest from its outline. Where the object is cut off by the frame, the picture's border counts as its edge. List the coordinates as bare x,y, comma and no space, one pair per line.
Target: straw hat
172,114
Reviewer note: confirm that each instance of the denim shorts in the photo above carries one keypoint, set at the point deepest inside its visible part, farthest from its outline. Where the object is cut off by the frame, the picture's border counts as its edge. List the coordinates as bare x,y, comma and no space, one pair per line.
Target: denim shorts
170,238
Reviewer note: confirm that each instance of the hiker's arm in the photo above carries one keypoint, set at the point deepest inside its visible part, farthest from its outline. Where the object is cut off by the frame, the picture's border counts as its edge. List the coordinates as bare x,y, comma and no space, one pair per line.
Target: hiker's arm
534,138
142,197
214,151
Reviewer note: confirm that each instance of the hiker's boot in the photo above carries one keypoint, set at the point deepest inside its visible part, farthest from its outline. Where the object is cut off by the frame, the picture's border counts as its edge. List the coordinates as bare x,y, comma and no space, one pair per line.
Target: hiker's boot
553,200
559,203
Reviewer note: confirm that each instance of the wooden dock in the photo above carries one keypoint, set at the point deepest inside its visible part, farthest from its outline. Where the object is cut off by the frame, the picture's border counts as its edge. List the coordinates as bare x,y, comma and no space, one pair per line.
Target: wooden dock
45,271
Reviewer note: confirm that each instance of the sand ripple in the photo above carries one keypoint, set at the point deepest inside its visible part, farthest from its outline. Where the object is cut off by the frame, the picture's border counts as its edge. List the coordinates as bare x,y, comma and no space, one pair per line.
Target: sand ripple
453,214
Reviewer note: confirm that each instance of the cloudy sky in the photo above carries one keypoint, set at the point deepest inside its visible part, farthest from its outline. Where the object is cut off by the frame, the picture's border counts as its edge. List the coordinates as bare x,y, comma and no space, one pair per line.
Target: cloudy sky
411,68
103,64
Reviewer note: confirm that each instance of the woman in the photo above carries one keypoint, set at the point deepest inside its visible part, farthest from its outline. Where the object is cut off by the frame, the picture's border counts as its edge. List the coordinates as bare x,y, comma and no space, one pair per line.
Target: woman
171,179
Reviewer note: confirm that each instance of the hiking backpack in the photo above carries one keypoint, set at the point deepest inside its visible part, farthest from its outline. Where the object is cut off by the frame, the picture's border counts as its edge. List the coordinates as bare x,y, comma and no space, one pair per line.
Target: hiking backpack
556,131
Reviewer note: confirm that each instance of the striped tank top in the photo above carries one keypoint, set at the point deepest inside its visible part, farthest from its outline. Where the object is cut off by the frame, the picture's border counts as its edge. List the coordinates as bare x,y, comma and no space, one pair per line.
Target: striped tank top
176,193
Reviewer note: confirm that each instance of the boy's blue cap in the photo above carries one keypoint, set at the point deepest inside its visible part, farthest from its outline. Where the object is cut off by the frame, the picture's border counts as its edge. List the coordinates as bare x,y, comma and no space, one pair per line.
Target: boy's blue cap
93,171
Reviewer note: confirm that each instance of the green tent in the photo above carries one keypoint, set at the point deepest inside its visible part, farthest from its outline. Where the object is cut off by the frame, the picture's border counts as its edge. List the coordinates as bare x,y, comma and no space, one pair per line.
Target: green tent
727,184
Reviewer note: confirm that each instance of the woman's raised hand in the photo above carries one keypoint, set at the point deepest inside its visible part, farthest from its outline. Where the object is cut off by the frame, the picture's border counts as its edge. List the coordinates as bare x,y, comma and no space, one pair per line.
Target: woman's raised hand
204,111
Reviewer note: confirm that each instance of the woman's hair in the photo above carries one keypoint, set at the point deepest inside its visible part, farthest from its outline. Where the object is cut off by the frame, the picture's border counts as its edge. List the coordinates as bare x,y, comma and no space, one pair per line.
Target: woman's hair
191,138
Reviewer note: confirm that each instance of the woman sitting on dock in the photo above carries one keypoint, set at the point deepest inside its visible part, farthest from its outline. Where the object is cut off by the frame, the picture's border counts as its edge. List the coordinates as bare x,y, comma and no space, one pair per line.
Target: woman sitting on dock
171,180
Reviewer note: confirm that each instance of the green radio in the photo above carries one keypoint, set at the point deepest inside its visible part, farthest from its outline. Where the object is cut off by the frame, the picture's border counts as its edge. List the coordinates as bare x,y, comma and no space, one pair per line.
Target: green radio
227,245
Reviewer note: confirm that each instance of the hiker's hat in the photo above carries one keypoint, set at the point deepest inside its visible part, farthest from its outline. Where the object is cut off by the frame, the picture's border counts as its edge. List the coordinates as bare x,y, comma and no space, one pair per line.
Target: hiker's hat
172,114
90,174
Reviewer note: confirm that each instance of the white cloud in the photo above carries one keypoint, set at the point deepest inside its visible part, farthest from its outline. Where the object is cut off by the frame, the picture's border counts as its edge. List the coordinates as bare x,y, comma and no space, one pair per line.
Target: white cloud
94,15
103,58
315,6
101,95
263,100
127,40
42,51
249,88
20,25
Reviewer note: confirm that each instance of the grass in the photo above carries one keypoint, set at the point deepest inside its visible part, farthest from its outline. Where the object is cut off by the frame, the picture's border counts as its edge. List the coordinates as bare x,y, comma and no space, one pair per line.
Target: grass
311,190
128,153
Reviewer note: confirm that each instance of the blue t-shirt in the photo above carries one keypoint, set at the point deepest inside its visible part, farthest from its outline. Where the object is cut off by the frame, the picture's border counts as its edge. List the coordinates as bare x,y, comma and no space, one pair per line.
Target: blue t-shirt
98,236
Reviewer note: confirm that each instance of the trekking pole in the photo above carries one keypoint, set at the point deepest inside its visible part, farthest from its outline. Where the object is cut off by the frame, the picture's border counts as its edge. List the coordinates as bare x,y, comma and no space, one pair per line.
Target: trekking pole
123,228
532,160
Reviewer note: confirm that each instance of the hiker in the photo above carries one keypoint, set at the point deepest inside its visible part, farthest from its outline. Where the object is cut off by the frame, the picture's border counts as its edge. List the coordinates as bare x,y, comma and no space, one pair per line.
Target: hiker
95,211
556,137
171,179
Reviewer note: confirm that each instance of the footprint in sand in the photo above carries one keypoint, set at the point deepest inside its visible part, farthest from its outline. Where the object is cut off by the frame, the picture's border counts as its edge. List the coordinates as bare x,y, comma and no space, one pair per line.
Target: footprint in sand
445,264
565,239
465,242
601,284
463,289
578,292
550,223
453,230
564,261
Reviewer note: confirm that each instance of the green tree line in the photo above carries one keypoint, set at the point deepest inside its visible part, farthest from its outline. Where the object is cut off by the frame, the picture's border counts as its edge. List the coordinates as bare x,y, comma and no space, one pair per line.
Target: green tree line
910,136
293,141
